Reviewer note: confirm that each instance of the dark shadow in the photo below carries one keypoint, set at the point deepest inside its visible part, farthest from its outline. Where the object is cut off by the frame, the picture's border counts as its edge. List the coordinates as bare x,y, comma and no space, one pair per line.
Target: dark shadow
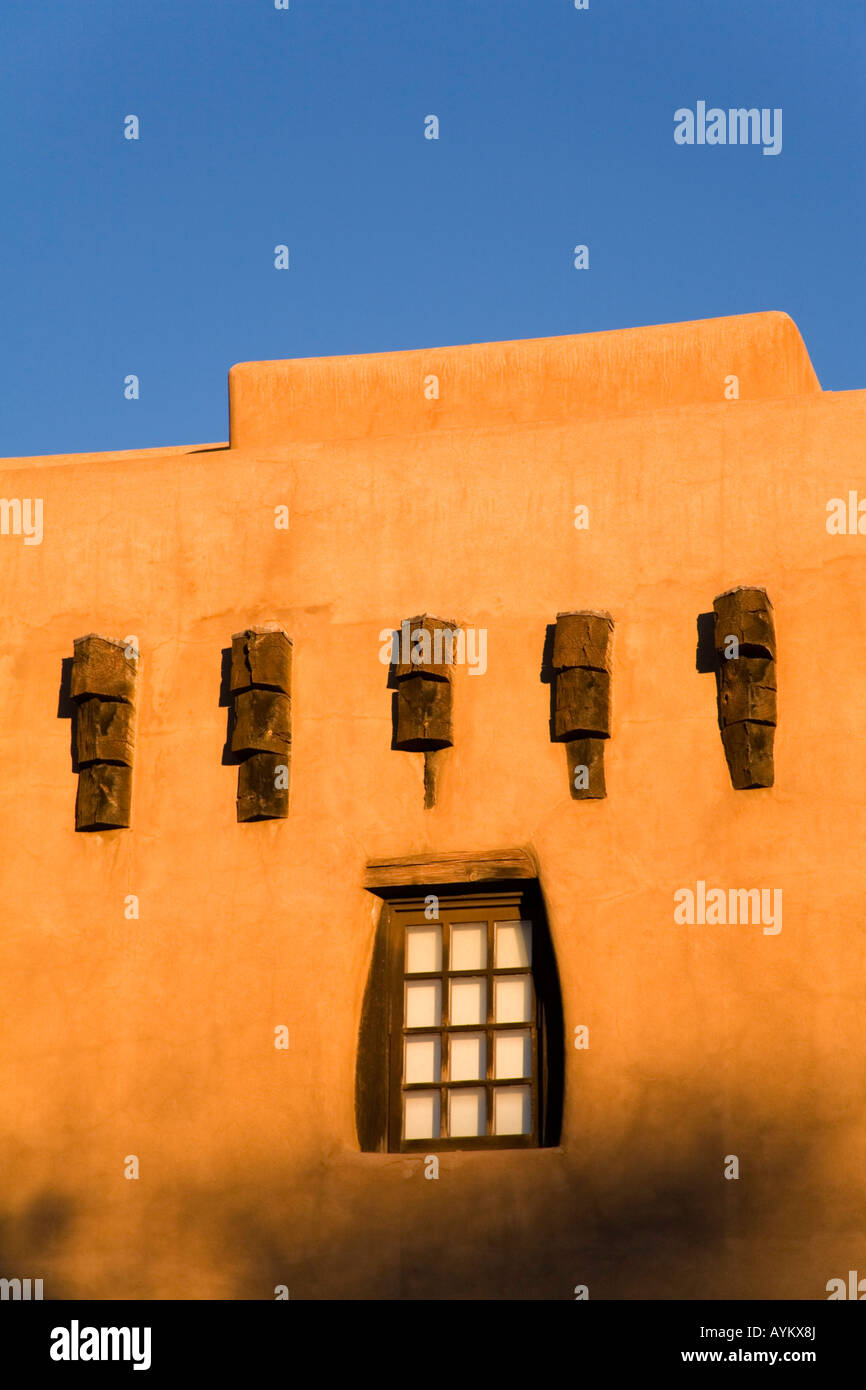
66,706
707,658
547,676
392,668
650,1218
372,1067
705,652
551,1024
211,449
392,685
229,759
225,699
31,1239
394,747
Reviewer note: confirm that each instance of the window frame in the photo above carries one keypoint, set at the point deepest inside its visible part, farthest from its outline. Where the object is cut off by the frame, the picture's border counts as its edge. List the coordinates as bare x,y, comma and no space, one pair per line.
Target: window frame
457,905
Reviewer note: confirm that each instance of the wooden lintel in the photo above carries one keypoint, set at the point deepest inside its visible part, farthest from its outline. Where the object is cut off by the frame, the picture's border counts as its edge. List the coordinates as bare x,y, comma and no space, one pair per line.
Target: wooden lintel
419,869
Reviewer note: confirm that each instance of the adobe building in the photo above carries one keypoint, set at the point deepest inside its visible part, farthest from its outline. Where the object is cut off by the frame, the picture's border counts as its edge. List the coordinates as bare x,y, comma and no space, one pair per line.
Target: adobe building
535,974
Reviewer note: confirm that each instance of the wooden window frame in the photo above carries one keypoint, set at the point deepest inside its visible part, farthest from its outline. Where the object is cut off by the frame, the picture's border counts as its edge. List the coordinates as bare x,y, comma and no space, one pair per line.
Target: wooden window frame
511,903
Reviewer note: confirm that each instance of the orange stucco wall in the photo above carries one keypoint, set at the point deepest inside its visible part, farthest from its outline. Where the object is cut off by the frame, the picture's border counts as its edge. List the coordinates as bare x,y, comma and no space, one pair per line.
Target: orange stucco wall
154,1037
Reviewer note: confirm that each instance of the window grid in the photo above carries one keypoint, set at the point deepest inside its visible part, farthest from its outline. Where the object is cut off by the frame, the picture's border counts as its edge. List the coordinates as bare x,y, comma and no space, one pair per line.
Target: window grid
506,910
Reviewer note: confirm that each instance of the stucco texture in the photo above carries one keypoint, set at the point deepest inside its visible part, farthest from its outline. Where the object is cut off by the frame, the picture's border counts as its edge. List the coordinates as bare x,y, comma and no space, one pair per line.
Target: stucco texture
155,1037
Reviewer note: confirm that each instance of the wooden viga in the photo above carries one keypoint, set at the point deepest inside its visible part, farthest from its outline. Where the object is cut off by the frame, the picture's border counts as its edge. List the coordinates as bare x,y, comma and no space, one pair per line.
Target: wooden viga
423,670
745,643
103,686
261,687
581,712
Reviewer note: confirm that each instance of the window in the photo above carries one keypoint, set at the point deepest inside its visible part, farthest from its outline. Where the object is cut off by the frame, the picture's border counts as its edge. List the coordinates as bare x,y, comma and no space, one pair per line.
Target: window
472,1054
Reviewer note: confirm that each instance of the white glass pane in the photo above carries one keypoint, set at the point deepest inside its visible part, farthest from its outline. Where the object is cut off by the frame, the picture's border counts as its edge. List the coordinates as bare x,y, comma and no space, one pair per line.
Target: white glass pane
466,1113
512,1110
421,1115
423,949
469,1001
512,1055
423,1003
422,1060
467,1060
513,999
468,946
512,945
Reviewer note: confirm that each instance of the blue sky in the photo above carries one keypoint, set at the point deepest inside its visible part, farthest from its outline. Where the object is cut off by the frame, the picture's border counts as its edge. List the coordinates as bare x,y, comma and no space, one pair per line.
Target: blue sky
306,127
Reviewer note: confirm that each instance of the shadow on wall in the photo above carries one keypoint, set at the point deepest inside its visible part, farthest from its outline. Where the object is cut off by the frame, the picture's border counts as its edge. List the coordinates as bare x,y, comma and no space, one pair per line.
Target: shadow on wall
647,1215
31,1239
228,759
661,1225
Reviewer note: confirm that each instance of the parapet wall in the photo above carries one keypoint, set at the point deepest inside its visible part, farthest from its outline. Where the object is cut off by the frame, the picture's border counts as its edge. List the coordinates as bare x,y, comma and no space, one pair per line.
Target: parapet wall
541,380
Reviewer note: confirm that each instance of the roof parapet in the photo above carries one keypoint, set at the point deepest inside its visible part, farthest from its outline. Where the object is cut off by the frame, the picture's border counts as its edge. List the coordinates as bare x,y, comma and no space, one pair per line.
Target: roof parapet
306,400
